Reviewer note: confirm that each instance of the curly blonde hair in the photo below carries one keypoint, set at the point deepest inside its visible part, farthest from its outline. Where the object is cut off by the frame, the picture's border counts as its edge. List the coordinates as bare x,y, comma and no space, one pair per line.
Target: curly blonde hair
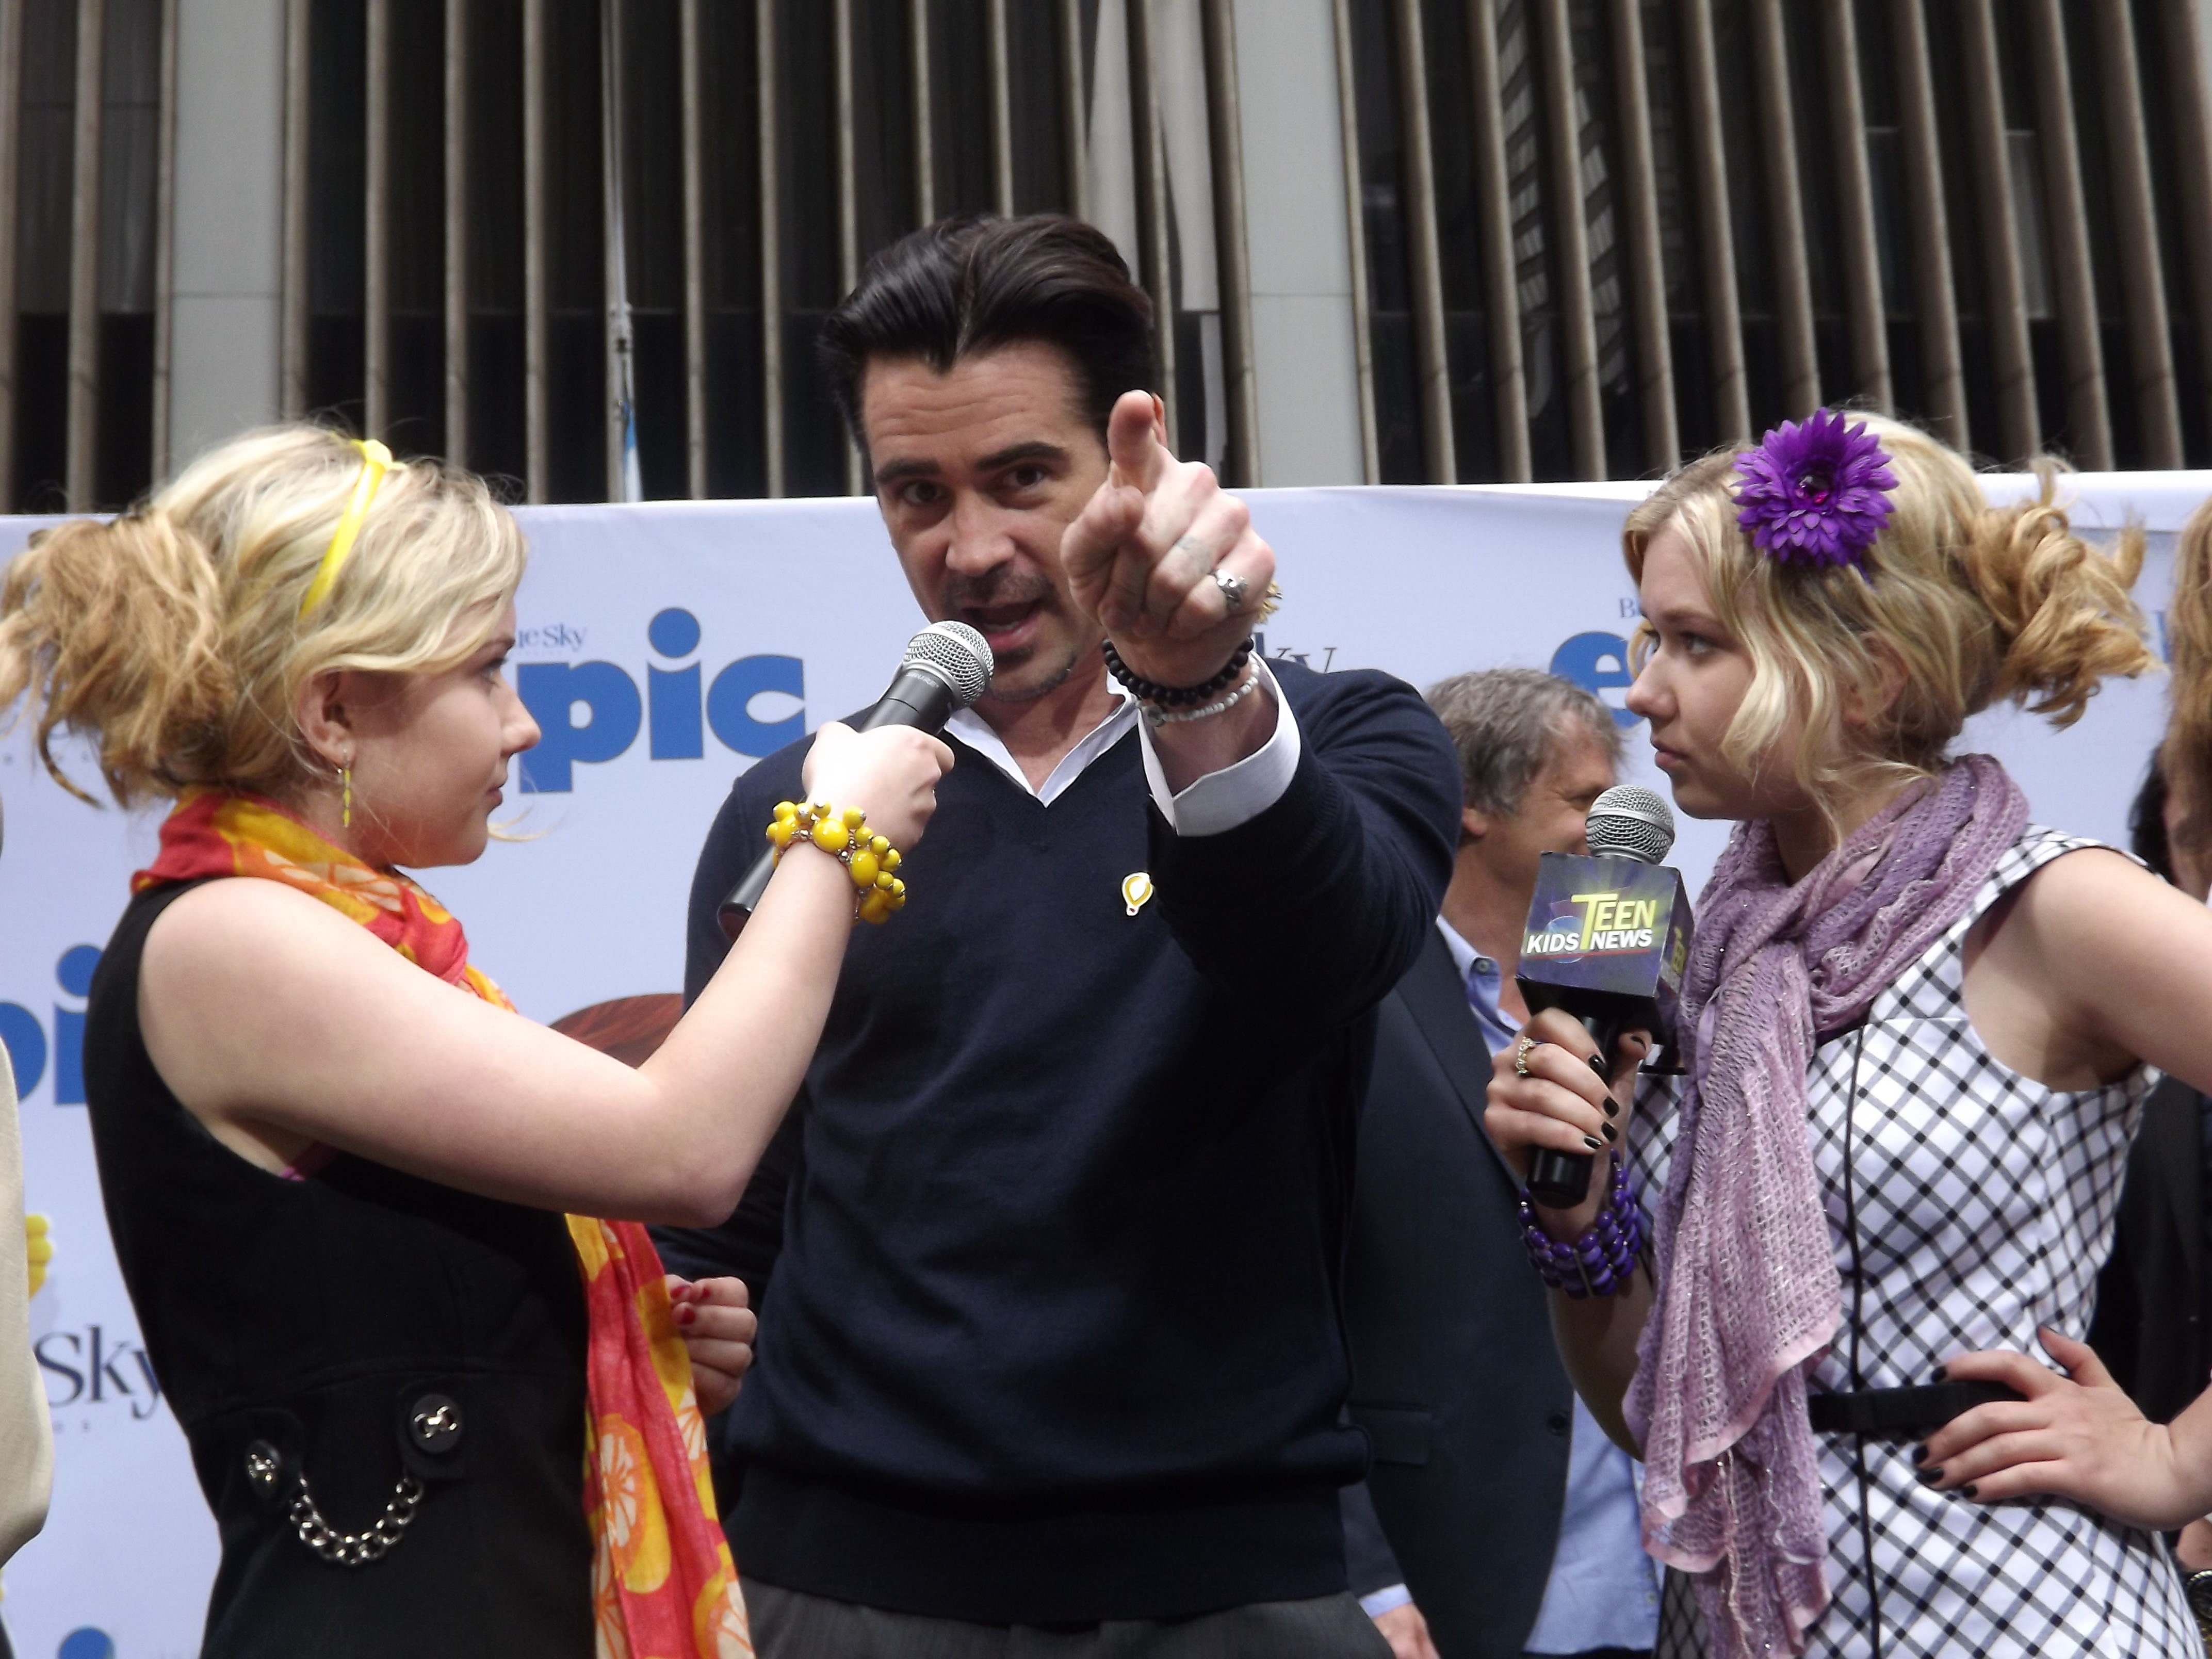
2186,757
1961,606
172,636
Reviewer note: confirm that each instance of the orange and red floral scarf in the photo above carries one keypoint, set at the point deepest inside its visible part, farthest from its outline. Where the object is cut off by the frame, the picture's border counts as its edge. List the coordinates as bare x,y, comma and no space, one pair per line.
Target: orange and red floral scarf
663,1585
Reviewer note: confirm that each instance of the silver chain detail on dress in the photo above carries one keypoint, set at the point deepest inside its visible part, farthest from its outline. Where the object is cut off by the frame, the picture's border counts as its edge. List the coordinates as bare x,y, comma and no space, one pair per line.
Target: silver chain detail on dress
356,1549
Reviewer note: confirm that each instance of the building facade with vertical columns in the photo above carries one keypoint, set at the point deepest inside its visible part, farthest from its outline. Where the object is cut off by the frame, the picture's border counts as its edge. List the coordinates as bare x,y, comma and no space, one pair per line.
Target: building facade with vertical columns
1390,240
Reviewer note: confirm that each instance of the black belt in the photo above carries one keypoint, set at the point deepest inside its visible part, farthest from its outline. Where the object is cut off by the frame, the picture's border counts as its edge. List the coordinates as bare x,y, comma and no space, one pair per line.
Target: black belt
1901,1414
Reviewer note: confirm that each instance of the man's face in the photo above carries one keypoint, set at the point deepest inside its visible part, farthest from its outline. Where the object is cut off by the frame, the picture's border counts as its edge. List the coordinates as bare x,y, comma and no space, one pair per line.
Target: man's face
978,471
1576,773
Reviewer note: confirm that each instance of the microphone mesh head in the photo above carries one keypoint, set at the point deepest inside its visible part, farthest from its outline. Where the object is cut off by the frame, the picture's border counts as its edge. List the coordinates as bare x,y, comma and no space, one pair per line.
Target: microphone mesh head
1628,822
956,654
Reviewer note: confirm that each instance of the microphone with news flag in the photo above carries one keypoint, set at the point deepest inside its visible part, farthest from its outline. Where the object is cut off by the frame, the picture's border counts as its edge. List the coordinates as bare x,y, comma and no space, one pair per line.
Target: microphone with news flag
947,666
1607,939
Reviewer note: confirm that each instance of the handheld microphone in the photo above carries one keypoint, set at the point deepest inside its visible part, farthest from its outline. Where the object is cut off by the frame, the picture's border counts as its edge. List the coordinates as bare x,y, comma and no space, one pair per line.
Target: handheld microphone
1607,939
946,667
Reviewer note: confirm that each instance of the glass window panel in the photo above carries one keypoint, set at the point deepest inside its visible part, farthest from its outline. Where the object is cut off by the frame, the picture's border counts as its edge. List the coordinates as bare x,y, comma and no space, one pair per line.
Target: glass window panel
736,431
337,180
130,153
1606,229
498,445
1679,246
48,118
2156,88
960,105
1382,224
814,444
882,116
415,229
1752,233
653,239
1519,85
1040,137
1459,242
575,327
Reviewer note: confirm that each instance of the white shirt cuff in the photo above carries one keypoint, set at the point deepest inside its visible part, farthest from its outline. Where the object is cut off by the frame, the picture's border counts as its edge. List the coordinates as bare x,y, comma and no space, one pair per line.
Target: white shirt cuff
1239,793
1386,1601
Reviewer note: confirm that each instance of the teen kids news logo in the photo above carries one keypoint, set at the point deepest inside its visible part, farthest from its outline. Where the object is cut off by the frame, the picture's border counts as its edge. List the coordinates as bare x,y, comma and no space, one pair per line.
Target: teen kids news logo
1596,924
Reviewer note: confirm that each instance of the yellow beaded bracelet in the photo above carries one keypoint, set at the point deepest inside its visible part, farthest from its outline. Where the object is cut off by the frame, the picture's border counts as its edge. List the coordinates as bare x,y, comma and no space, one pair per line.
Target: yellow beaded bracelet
869,860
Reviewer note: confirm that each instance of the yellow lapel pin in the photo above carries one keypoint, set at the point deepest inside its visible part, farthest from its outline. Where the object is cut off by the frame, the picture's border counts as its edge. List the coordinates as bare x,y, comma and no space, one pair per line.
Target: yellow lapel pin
1135,890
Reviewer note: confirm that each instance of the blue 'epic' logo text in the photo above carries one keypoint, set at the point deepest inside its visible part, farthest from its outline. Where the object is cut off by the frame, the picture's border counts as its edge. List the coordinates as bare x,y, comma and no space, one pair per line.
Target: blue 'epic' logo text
24,1037
1597,663
672,709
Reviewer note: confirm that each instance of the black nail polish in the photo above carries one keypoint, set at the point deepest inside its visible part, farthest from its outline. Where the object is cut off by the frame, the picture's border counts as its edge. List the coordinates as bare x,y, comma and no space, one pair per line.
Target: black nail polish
1920,1454
1612,1108
1942,1374
1968,1489
1609,1132
1597,1064
1593,1143
1929,1477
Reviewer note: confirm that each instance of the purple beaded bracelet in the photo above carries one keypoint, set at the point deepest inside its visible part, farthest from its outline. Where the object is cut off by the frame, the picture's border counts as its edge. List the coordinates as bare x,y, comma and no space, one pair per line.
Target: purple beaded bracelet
1602,1261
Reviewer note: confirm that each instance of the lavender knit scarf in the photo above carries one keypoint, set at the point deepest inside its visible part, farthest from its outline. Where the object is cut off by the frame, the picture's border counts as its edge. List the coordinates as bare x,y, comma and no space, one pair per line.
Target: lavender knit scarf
1748,1293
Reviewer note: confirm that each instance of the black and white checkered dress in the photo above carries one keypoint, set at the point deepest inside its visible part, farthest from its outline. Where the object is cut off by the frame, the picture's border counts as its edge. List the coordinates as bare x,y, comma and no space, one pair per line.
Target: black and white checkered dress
1967,1205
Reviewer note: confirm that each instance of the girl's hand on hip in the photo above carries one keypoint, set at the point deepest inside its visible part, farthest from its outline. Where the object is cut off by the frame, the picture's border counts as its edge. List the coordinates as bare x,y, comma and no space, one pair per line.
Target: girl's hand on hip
2077,1436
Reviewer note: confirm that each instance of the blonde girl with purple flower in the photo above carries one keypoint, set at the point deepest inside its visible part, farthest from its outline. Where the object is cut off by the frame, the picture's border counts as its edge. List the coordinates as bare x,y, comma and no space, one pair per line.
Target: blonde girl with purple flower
1917,1031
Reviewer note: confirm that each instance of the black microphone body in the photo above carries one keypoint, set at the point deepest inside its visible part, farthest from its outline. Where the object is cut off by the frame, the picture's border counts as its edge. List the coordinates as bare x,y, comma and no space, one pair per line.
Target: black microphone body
915,698
936,681
1608,940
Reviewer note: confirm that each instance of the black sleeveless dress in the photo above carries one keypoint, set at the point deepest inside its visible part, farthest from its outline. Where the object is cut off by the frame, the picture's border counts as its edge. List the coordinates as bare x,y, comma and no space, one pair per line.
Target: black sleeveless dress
376,1333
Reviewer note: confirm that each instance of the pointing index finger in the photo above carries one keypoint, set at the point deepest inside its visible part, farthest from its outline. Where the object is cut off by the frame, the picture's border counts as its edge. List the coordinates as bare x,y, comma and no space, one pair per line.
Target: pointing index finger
1133,442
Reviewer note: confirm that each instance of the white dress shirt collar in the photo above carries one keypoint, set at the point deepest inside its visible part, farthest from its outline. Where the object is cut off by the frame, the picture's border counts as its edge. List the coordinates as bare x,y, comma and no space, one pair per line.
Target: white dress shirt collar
1219,801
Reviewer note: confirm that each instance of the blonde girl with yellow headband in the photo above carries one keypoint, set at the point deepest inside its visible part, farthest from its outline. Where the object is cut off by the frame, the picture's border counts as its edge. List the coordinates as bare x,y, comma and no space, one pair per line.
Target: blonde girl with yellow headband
1915,1029
432,1413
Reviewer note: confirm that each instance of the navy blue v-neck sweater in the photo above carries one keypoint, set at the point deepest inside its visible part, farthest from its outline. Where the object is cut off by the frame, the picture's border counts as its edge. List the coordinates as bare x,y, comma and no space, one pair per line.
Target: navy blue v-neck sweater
1052,1334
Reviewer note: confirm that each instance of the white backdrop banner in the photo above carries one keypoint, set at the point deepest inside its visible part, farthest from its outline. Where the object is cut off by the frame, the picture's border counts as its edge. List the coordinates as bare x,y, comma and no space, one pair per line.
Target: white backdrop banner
664,647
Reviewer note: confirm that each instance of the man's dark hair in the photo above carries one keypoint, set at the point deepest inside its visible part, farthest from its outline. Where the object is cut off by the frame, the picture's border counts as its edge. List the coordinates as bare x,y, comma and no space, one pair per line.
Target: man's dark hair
974,283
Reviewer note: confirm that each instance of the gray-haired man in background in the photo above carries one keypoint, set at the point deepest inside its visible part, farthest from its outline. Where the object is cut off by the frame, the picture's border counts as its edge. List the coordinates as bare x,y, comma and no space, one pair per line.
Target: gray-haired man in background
1507,1521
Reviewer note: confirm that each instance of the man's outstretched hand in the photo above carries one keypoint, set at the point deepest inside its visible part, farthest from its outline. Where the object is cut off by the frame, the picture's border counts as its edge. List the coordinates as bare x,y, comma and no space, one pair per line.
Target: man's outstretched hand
1140,558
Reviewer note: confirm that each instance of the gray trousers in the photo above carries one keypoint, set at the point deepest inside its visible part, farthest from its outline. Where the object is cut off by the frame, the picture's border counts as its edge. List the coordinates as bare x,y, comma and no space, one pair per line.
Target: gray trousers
789,1626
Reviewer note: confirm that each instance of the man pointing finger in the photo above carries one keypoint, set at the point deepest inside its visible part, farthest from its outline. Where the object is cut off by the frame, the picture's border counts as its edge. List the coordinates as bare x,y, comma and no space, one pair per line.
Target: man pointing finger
1047,1261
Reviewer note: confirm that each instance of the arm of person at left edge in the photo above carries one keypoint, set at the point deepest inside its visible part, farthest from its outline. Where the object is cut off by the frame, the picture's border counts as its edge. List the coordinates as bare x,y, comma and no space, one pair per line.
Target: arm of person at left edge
745,1244
2122,965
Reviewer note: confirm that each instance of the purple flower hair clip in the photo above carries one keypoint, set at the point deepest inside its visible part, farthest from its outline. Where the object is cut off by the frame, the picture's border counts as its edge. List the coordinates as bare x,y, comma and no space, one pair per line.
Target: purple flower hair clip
1815,492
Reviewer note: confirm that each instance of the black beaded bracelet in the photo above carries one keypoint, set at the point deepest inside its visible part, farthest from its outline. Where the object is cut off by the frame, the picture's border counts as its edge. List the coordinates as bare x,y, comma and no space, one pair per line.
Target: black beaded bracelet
1175,696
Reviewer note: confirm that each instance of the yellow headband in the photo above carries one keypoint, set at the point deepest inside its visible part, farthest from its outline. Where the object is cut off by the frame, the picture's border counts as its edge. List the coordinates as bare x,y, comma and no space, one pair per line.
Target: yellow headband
375,461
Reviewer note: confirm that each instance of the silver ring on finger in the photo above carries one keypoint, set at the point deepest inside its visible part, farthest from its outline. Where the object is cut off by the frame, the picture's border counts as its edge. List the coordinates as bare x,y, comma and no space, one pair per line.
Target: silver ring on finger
1233,590
1521,1054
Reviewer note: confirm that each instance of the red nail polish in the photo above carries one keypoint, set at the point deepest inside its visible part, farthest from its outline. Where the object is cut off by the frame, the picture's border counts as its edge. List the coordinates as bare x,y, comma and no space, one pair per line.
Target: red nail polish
685,1316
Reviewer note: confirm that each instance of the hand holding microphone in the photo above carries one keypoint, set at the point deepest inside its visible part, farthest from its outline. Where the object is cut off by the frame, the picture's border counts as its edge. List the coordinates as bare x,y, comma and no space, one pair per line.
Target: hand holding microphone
947,666
1606,941
891,771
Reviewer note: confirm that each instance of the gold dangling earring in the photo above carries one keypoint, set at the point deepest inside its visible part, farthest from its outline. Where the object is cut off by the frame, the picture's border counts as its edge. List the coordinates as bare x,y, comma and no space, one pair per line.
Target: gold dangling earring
345,805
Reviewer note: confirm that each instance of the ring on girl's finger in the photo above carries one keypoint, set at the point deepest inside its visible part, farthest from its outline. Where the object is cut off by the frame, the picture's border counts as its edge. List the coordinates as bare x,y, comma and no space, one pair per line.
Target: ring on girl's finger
1521,1054
1233,589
